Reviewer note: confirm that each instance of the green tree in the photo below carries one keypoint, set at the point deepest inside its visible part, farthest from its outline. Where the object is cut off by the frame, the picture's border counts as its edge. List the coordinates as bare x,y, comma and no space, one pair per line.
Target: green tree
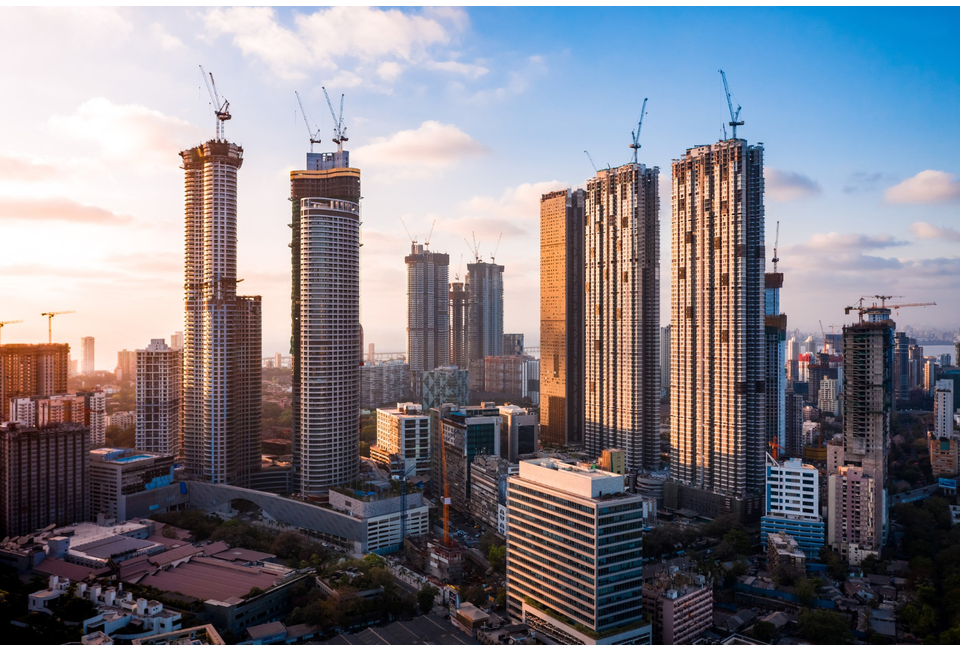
497,556
763,631
425,598
474,594
805,592
823,627
372,560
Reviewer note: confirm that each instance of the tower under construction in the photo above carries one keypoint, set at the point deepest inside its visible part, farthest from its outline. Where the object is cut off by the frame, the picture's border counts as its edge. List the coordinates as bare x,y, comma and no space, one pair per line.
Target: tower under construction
428,313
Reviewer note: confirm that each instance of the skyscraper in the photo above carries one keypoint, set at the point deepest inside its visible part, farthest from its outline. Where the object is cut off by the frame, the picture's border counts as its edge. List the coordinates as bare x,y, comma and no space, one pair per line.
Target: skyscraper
775,335
86,355
326,341
158,375
561,317
221,336
458,325
428,313
717,318
27,370
664,361
622,308
484,289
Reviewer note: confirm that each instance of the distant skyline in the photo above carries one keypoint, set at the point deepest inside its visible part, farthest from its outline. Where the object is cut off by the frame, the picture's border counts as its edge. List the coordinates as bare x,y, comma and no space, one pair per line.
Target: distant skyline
464,116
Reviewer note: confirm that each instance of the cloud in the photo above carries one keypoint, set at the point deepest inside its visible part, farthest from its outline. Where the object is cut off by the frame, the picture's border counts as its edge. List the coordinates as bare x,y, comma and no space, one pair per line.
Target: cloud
862,182
785,186
840,242
924,230
517,81
520,203
331,38
14,168
57,209
928,186
415,153
470,70
127,132
167,41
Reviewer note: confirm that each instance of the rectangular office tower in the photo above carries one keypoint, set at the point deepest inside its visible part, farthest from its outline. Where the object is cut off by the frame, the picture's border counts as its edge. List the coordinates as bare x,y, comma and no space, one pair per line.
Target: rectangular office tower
326,341
775,337
718,389
158,398
221,336
458,325
484,289
428,313
622,309
574,554
561,317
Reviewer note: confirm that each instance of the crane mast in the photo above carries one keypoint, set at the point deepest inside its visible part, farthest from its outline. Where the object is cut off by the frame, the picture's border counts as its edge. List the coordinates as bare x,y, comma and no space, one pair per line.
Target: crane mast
735,120
339,130
635,145
220,109
314,134
50,315
8,322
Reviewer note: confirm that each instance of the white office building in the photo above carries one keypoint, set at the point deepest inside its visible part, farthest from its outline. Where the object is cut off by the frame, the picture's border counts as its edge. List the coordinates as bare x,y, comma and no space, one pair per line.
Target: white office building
403,439
158,398
793,504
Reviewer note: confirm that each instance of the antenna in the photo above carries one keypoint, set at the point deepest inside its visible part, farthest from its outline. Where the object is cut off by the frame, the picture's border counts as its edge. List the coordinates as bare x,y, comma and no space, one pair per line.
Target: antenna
339,130
314,134
776,242
635,145
735,120
221,110
591,161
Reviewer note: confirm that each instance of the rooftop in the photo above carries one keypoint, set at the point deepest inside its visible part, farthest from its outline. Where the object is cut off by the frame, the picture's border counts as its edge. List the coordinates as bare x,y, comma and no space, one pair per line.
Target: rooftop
212,579
423,630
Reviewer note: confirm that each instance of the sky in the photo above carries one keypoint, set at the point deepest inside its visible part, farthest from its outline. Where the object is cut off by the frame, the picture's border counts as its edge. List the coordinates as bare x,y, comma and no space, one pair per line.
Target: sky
459,120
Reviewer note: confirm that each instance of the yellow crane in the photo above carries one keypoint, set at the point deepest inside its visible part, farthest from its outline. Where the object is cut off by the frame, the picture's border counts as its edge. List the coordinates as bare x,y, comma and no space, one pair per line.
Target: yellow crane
50,315
8,322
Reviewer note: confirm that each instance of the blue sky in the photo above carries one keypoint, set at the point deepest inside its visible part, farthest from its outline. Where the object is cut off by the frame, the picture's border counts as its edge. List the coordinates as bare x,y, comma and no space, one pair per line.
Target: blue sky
465,116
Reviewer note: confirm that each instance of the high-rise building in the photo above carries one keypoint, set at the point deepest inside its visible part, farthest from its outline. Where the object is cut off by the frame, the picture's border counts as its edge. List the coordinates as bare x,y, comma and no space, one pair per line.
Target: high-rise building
718,390
44,474
943,441
519,432
384,382
901,366
513,345
868,402
221,396
87,360
484,289
458,325
176,341
564,577
793,349
793,505
465,433
827,398
327,338
561,317
159,370
27,370
664,361
428,312
403,439
793,424
775,334
445,385
622,309
126,365
86,408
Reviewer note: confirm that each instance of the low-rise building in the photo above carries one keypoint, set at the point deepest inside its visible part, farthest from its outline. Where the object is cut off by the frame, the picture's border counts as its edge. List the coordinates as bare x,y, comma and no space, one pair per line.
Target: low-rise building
199,635
403,439
125,483
784,554
465,432
379,508
793,504
488,500
680,606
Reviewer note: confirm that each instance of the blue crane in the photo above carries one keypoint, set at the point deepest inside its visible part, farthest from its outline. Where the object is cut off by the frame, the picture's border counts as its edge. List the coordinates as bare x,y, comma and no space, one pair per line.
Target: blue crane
735,120
636,135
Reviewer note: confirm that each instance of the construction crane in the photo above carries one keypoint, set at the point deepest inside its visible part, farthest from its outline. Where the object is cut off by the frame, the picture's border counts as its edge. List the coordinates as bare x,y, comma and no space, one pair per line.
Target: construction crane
50,315
882,311
446,493
775,447
8,322
459,268
339,130
776,242
635,145
413,240
475,249
221,110
592,164
314,134
735,120
426,242
493,257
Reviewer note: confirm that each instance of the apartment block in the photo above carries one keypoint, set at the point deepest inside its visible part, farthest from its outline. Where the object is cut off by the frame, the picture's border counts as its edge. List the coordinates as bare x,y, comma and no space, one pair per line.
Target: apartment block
488,491
127,364
793,504
85,408
44,475
458,325
718,352
484,288
503,375
159,372
403,439
622,310
680,606
428,312
27,370
384,382
562,317
575,554
944,440
774,332
853,529
445,385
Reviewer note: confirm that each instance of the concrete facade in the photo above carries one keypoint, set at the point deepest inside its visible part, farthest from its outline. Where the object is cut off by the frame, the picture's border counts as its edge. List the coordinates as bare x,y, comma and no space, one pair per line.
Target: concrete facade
159,370
428,312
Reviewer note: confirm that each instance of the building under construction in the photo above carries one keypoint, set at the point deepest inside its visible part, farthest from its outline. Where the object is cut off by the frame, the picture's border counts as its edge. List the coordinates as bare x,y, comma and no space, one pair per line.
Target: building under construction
27,370
428,312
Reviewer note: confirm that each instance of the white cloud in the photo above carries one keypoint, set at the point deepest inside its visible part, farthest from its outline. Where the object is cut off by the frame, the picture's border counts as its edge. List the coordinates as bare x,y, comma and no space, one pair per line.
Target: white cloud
839,242
470,70
167,41
785,186
929,186
330,39
415,153
517,81
923,230
57,209
127,133
520,203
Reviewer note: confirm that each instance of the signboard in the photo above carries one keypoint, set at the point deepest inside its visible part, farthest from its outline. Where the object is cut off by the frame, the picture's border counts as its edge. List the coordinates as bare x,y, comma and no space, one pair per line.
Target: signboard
948,483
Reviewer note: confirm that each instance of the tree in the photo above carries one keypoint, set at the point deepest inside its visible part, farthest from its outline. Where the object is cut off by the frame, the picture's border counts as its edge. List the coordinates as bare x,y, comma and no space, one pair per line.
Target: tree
474,594
763,631
488,540
497,556
823,627
805,592
372,560
425,598
287,544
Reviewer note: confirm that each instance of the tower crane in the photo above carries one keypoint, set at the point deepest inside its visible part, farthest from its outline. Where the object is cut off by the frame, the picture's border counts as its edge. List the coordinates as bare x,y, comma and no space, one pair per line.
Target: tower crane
413,240
50,315
8,322
592,164
475,249
735,120
493,257
339,130
314,134
635,145
776,242
426,242
221,110
446,493
882,311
